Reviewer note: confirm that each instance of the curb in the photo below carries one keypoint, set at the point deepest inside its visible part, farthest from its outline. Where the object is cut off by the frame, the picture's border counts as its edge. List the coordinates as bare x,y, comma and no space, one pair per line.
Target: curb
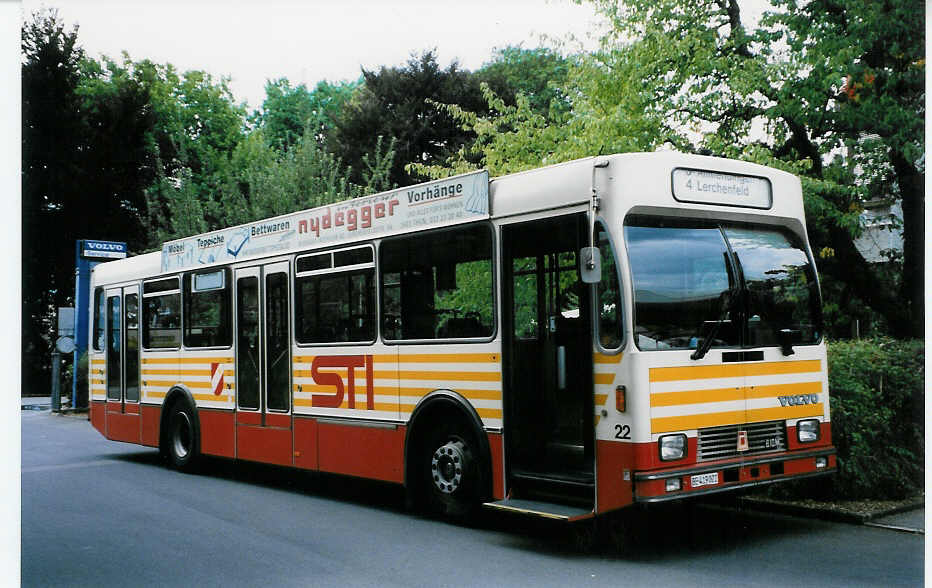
826,514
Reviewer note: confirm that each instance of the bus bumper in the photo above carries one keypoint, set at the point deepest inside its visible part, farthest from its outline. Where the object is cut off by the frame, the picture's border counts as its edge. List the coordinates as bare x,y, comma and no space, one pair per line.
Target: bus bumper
698,480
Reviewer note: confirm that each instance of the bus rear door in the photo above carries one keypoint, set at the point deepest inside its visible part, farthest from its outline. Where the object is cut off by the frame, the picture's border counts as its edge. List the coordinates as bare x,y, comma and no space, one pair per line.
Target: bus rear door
122,345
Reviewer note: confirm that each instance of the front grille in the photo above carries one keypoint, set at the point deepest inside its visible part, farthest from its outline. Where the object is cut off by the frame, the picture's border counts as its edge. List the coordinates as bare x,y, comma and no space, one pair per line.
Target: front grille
722,442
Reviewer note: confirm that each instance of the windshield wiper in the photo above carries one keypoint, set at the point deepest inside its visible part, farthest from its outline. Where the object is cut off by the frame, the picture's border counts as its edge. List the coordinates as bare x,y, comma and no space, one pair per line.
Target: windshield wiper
727,298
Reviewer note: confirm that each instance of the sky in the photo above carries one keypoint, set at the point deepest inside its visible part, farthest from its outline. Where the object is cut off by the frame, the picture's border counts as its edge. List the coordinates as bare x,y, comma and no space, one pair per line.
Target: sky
307,41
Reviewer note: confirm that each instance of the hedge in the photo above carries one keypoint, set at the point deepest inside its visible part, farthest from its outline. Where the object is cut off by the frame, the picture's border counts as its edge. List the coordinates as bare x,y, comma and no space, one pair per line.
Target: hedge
878,418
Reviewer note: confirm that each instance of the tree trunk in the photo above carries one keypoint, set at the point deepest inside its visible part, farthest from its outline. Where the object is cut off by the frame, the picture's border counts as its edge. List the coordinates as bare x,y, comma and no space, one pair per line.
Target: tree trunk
912,191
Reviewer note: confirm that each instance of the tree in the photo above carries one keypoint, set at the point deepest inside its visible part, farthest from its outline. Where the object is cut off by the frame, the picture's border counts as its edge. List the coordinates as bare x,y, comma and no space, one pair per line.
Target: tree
52,125
393,103
838,88
85,167
832,91
287,110
539,74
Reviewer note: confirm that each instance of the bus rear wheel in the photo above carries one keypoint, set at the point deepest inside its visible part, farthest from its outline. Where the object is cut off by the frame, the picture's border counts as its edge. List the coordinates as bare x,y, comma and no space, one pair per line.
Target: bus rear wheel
182,440
451,474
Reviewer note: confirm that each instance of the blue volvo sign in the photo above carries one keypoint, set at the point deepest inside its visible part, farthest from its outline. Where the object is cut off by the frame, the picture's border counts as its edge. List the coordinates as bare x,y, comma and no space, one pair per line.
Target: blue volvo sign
101,249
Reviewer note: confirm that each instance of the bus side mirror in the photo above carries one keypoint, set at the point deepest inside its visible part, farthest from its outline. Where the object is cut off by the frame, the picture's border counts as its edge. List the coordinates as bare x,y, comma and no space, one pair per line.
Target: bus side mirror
590,265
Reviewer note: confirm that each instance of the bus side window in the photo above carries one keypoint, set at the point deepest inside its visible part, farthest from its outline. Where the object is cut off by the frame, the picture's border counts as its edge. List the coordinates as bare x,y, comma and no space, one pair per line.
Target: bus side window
207,309
608,294
335,302
99,319
161,314
438,285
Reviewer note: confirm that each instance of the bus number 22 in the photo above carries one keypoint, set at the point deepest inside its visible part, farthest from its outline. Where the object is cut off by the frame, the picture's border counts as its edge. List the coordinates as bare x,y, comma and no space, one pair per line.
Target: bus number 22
622,432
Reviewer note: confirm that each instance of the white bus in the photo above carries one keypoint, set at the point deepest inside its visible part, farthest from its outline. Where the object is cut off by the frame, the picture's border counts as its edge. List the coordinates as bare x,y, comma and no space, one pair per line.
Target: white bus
566,341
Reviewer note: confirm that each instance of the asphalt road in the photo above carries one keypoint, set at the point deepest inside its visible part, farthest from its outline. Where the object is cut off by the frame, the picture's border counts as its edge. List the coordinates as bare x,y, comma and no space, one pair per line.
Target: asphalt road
100,513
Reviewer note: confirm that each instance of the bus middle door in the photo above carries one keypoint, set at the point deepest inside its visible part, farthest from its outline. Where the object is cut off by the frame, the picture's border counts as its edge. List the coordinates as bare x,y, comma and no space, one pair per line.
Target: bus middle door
263,364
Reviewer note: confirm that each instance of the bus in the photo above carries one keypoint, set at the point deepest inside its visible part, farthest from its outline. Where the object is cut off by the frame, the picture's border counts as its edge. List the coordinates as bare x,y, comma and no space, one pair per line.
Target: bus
564,342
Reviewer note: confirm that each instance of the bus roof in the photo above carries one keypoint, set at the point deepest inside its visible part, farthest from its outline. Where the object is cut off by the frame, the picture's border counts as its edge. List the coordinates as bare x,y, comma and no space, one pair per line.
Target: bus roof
645,180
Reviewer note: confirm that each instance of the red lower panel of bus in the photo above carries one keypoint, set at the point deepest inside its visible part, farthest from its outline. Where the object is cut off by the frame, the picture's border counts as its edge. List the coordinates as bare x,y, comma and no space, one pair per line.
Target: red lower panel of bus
364,451
151,416
121,426
305,443
614,460
218,432
498,468
265,444
97,417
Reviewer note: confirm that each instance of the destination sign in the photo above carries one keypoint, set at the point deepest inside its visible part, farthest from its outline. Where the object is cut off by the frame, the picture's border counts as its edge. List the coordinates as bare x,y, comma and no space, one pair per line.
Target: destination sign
441,202
707,187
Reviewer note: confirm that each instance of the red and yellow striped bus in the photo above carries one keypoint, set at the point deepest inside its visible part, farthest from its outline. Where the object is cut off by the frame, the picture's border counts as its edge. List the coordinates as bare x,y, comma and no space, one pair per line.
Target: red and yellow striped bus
566,341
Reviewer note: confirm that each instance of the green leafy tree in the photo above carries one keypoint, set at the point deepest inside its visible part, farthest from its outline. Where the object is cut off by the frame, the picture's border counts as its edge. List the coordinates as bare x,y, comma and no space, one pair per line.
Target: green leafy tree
832,91
287,110
837,91
393,103
539,74
85,166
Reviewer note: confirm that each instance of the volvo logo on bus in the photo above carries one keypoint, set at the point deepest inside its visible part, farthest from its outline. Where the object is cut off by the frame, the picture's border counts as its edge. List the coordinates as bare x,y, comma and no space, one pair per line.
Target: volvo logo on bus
798,400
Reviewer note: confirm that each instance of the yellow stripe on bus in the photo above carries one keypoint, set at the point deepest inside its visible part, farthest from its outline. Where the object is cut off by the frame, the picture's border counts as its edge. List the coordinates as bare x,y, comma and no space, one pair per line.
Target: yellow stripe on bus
602,358
730,394
600,399
439,375
212,398
603,378
180,372
449,358
672,374
471,394
185,360
360,405
717,419
389,391
375,358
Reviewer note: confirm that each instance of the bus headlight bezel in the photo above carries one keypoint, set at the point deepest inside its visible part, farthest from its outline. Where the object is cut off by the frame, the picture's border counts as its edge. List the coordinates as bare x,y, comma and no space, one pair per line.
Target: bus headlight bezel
672,447
808,430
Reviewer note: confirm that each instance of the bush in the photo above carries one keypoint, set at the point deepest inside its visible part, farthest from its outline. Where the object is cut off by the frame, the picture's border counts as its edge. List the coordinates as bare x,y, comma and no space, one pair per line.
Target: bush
878,410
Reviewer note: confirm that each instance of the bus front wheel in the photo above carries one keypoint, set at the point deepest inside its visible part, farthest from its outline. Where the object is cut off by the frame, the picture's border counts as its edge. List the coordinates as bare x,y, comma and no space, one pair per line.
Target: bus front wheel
451,474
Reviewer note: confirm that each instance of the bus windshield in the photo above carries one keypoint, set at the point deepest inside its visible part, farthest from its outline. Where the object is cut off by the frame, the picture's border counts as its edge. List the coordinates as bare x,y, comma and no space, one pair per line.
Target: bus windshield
748,282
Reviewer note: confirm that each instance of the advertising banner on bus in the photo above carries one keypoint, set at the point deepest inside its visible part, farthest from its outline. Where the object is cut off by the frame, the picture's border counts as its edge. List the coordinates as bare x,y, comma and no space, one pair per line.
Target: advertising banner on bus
441,202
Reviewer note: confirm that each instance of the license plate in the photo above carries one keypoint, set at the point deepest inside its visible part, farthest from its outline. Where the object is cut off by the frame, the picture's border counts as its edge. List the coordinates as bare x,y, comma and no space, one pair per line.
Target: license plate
703,480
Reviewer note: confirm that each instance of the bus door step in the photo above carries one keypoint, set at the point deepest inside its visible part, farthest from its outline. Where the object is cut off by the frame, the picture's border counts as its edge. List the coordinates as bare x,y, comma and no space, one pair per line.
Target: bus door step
548,510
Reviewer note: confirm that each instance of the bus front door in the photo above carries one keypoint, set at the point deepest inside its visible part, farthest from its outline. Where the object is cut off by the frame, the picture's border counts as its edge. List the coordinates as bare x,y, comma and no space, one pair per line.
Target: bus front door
549,406
122,339
263,364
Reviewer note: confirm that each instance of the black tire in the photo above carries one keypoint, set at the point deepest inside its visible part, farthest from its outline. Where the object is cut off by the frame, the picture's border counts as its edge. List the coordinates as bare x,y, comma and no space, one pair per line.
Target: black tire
449,463
182,439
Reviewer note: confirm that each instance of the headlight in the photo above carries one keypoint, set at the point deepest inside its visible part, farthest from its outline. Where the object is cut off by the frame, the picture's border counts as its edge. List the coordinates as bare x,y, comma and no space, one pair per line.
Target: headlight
672,447
808,430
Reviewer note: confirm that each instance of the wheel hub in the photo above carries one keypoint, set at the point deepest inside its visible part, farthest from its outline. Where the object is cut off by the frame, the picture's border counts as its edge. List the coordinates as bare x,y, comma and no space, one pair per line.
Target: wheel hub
446,466
181,437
